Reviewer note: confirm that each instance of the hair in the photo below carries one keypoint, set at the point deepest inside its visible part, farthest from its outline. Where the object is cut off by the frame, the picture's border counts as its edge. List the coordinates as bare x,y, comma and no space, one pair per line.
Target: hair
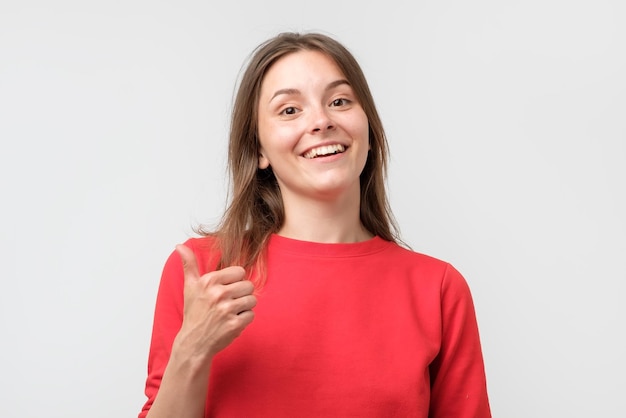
256,209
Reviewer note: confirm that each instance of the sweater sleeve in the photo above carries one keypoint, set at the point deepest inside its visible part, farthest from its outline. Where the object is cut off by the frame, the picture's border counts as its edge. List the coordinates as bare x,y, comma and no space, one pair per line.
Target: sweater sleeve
168,317
458,382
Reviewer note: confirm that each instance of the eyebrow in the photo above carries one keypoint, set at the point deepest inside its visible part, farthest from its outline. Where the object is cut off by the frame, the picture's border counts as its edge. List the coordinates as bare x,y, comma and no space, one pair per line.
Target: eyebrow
330,86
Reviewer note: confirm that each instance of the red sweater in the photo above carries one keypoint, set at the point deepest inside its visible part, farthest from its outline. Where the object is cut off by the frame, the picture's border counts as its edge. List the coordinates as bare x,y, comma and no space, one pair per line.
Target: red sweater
368,329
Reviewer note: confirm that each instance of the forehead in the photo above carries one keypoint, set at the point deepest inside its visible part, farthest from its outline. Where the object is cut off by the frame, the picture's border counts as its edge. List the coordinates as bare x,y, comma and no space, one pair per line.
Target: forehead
301,67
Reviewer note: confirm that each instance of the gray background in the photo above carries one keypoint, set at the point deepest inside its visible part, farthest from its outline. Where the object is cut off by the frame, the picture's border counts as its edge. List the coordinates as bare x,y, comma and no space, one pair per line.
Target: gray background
506,122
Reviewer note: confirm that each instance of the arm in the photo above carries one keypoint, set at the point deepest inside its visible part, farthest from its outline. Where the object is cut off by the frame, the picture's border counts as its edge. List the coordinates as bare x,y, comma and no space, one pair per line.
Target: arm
196,316
458,382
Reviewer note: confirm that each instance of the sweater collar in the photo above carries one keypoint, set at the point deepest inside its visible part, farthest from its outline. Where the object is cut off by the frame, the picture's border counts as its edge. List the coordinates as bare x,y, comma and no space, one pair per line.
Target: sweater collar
319,249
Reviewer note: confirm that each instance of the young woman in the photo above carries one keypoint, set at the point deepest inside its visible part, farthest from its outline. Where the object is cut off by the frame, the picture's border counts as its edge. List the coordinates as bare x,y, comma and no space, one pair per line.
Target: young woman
303,303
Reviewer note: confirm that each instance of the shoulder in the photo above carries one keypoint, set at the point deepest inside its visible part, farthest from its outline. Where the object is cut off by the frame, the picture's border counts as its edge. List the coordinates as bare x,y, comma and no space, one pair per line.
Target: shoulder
202,244
425,265
404,255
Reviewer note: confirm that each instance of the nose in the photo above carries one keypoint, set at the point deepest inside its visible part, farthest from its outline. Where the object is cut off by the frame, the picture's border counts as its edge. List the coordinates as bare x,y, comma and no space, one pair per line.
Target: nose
321,120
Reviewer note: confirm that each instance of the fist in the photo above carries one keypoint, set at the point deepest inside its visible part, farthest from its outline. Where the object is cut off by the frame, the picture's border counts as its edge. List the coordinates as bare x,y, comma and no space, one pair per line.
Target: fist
217,307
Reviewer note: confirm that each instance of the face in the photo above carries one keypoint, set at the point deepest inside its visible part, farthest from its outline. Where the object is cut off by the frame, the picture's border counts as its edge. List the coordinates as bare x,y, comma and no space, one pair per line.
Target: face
312,130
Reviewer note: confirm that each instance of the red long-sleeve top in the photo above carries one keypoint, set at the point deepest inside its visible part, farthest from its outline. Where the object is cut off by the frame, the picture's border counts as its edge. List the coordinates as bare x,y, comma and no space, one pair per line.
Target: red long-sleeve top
366,329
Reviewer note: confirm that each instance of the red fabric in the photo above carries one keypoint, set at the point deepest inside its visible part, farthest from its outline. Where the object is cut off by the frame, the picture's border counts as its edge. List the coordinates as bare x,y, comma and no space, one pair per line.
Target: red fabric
345,330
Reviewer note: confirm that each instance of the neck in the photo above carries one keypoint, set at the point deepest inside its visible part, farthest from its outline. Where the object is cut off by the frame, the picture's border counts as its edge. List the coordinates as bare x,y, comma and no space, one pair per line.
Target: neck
328,221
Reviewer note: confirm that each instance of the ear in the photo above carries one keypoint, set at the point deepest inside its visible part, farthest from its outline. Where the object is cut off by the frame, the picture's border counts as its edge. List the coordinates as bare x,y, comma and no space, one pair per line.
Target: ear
263,162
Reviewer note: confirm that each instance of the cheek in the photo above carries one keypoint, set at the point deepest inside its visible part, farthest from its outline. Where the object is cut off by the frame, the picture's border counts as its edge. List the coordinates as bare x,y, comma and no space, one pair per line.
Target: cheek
363,133
274,144
361,130
279,138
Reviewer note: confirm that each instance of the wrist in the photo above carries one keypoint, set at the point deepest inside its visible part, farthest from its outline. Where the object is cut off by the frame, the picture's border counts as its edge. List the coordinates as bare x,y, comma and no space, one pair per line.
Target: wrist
189,360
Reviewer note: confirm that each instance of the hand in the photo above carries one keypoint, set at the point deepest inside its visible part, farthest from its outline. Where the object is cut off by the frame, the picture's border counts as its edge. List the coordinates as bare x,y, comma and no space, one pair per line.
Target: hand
217,307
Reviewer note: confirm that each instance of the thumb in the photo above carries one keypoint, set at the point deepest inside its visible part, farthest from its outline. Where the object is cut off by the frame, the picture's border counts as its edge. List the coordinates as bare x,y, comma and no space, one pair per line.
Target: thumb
190,265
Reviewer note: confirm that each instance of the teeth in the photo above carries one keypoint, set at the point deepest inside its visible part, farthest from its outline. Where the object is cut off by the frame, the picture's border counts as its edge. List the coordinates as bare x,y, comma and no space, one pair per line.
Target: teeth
325,150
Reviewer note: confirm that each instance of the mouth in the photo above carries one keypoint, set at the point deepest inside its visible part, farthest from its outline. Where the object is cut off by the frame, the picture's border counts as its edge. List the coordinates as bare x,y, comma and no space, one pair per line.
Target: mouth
324,151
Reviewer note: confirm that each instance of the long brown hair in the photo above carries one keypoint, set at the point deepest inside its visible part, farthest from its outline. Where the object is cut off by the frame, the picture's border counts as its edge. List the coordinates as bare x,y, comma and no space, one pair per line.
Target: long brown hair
256,209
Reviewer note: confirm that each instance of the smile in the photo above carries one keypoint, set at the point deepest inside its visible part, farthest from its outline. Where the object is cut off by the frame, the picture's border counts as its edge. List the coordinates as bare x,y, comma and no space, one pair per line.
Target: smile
324,151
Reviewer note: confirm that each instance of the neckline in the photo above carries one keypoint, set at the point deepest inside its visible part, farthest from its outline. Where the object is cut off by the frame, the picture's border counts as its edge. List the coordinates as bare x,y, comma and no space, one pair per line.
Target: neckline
322,249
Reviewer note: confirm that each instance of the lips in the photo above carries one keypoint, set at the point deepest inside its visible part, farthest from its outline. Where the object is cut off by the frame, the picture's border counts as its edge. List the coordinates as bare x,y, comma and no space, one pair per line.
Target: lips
324,150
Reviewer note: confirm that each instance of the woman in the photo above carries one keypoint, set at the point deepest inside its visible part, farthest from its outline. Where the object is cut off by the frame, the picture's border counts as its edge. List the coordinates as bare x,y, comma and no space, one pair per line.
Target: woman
346,321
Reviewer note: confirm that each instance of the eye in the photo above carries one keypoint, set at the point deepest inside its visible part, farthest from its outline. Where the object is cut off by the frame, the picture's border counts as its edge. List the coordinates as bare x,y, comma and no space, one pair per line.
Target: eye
289,111
339,102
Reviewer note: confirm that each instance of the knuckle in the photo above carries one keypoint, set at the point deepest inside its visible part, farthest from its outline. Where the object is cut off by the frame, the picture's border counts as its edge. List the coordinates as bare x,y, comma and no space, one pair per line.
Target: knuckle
222,291
214,293
234,326
238,270
224,308
211,277
253,301
246,318
249,286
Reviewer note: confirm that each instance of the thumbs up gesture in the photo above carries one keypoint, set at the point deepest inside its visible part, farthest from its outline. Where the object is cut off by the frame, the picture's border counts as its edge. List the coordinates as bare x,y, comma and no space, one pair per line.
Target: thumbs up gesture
217,307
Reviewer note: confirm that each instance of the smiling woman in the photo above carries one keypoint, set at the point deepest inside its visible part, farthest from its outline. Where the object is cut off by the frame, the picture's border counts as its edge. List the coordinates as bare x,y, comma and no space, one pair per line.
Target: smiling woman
304,302
313,133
